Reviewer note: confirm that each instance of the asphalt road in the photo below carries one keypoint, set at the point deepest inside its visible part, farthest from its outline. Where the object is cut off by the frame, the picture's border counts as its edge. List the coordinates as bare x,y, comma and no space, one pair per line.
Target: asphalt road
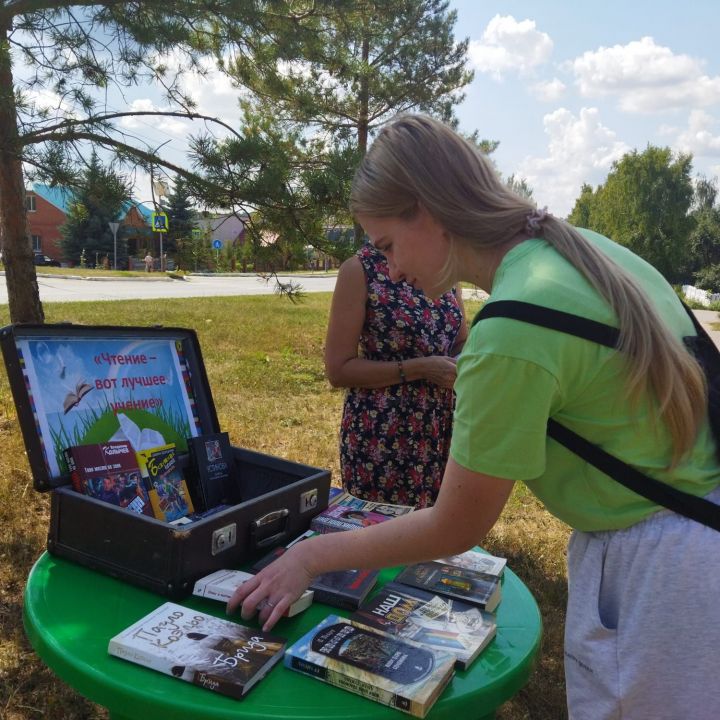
56,288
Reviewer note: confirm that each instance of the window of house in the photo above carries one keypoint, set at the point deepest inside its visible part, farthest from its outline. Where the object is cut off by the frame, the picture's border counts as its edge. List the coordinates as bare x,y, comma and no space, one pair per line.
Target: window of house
30,203
36,242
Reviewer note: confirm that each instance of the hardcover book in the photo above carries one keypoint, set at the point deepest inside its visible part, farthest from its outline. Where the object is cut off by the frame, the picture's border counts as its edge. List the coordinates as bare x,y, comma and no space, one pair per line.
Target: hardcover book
344,589
477,588
212,479
222,584
429,619
108,471
202,649
398,673
478,560
169,496
338,517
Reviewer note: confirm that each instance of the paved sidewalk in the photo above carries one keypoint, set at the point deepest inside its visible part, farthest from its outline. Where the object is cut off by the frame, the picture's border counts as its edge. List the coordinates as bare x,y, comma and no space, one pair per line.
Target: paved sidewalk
708,318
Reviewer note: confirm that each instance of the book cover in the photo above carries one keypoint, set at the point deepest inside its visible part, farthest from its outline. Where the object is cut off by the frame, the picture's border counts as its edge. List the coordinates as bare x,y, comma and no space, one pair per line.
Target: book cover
213,477
221,584
398,673
350,501
109,472
202,649
169,496
344,589
338,517
478,560
429,619
477,588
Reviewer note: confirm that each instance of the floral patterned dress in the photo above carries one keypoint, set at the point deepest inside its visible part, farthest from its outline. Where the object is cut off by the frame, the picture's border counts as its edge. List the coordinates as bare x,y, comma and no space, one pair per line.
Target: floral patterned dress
394,441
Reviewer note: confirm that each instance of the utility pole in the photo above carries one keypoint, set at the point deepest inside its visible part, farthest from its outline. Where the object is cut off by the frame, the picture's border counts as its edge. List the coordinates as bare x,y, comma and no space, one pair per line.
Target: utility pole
114,227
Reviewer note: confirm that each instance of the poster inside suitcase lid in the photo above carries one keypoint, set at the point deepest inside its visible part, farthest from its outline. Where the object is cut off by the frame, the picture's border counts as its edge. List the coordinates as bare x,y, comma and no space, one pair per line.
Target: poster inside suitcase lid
79,385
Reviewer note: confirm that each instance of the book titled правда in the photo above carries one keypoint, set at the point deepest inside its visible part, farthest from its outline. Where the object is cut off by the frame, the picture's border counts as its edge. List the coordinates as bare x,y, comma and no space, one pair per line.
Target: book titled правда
211,652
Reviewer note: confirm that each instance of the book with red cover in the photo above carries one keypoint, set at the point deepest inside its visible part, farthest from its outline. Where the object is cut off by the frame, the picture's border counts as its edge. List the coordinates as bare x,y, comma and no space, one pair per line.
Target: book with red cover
109,471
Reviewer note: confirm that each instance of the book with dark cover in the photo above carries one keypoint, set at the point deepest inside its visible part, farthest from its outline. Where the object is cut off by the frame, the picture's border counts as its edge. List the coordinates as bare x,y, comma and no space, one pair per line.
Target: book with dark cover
202,649
398,673
109,471
429,619
478,560
212,477
477,588
338,517
344,589
169,496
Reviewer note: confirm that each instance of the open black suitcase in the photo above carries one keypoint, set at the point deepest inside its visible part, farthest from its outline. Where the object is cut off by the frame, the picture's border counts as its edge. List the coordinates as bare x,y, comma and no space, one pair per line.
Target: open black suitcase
156,378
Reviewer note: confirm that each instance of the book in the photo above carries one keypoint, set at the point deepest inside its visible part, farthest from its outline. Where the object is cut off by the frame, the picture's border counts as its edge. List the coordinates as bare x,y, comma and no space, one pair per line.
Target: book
202,649
429,619
399,673
344,589
476,588
341,516
108,471
221,584
168,492
478,560
212,480
348,500
73,398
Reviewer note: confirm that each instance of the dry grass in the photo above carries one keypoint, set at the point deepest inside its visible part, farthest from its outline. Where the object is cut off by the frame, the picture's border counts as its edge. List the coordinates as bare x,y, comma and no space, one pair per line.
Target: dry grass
264,361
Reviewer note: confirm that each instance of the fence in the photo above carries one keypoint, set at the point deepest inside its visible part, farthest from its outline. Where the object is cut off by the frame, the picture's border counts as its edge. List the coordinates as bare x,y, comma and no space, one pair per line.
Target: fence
701,296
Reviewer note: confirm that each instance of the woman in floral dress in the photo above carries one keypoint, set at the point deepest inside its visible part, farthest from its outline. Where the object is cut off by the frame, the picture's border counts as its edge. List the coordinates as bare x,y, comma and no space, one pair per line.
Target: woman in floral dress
394,349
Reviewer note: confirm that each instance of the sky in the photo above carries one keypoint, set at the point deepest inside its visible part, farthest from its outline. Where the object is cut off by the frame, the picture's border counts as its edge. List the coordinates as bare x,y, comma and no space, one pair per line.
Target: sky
565,86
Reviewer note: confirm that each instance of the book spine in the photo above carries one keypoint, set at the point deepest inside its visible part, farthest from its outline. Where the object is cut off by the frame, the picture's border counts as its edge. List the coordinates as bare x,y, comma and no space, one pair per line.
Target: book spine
72,467
357,686
336,599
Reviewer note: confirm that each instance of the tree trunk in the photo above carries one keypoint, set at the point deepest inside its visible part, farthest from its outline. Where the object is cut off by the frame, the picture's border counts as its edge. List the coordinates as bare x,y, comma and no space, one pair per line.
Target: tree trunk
363,103
23,291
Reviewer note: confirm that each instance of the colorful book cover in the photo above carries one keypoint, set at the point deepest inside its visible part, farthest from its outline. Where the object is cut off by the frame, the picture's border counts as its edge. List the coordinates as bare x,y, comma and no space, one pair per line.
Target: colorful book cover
355,503
338,517
478,560
429,619
169,496
109,472
477,588
202,649
398,673
221,585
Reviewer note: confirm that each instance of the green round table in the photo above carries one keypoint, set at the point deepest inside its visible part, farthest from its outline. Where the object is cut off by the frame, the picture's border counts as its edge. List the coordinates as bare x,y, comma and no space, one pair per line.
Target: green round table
71,612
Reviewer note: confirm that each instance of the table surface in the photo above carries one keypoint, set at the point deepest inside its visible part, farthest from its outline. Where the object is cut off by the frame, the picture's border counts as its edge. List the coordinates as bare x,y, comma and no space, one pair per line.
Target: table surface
71,612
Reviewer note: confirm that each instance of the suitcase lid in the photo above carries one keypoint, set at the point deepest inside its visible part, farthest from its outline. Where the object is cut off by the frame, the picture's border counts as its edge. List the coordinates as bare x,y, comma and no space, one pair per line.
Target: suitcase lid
83,384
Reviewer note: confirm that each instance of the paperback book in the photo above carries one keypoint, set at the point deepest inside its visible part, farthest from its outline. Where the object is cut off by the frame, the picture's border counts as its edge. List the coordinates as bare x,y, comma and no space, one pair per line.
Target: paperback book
212,477
108,471
169,496
202,649
477,588
429,619
350,501
398,673
338,517
222,584
478,560
344,589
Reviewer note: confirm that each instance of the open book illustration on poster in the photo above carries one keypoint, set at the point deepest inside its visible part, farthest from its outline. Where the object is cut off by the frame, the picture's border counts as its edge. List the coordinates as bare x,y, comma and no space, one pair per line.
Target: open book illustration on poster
92,390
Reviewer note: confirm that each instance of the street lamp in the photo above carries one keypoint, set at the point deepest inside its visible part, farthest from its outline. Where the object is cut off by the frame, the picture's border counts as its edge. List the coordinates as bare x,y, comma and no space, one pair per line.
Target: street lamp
114,227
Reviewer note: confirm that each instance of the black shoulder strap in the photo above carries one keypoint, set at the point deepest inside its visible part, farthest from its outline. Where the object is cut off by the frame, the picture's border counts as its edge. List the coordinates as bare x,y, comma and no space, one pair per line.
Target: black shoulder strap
696,508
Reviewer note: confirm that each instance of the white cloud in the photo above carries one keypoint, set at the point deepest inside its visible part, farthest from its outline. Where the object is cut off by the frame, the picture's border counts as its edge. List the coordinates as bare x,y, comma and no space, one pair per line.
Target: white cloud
580,150
698,137
548,91
645,77
509,46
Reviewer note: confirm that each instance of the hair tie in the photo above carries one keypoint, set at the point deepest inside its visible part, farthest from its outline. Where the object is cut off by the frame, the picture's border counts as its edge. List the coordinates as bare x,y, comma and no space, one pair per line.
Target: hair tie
533,225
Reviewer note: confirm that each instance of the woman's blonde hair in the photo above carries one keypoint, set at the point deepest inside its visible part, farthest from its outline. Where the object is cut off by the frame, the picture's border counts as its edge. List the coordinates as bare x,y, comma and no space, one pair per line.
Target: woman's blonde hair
416,160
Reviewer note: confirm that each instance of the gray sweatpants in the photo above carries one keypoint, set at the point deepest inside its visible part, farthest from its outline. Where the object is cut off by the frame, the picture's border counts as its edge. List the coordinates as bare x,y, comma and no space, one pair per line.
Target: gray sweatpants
642,634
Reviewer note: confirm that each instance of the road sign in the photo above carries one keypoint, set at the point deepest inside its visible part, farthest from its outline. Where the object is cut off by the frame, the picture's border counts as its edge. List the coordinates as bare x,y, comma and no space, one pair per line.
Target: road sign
197,233
217,244
160,222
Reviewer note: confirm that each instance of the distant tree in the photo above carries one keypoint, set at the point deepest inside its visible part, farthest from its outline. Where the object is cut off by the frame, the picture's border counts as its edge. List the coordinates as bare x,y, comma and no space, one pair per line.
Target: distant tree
520,186
704,240
582,212
181,214
98,201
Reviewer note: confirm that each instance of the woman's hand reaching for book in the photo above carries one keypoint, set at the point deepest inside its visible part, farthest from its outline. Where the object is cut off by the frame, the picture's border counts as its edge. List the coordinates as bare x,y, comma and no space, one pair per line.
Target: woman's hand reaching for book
274,589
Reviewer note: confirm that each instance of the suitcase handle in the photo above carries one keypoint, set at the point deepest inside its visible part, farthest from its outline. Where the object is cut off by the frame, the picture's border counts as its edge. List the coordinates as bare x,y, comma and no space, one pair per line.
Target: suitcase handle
276,516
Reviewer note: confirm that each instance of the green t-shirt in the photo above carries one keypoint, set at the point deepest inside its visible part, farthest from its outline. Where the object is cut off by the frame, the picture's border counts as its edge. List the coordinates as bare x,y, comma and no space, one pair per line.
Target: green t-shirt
513,376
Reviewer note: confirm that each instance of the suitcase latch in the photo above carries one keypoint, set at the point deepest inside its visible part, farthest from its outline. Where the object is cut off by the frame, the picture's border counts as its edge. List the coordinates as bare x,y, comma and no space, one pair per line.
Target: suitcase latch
224,538
270,529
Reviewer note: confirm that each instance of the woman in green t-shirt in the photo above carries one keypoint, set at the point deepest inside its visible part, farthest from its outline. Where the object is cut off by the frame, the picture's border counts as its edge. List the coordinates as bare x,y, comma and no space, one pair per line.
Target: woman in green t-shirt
643,621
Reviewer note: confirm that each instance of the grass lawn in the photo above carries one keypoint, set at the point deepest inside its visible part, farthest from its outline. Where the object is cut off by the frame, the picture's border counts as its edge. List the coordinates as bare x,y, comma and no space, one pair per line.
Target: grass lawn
264,360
